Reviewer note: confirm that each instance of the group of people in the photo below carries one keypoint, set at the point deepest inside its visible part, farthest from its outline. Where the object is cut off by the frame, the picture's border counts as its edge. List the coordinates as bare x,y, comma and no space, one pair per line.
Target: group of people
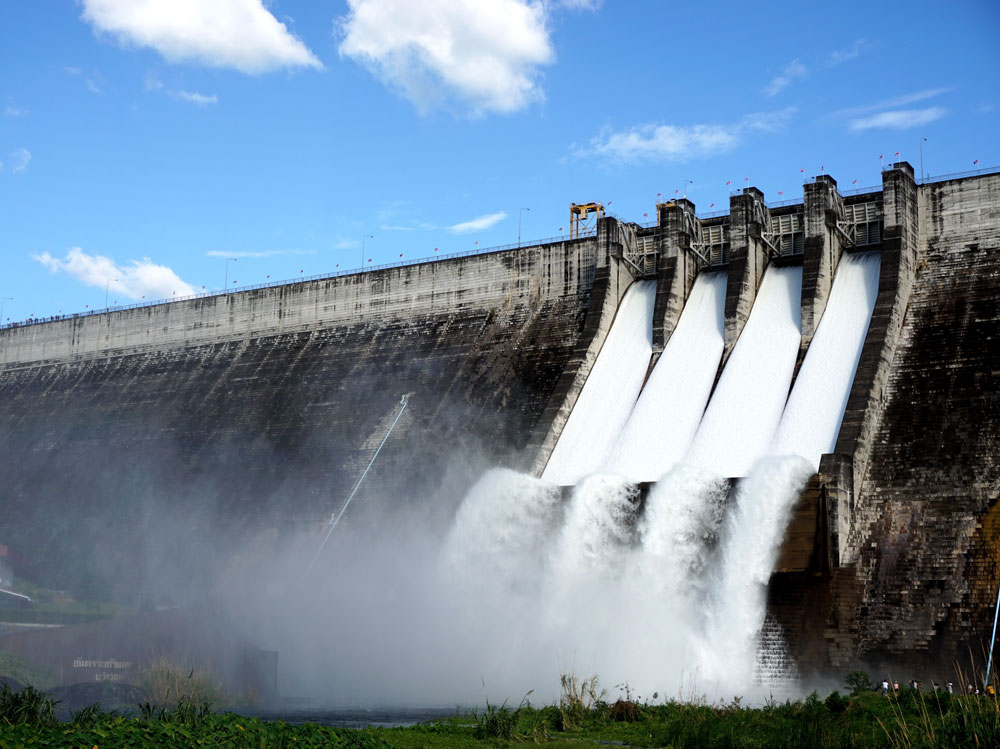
949,687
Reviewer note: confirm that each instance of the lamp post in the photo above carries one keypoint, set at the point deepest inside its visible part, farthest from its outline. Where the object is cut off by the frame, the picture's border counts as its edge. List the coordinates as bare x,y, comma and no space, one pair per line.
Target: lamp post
2,300
365,237
229,260
922,140
107,285
686,183
520,212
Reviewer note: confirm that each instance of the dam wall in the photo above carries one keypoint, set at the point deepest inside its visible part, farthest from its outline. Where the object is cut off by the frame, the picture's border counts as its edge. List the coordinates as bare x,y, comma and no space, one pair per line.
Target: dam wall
920,563
255,413
122,434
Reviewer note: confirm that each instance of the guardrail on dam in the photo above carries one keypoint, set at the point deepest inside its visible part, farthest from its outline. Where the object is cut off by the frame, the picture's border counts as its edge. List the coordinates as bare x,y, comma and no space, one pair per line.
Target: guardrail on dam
259,409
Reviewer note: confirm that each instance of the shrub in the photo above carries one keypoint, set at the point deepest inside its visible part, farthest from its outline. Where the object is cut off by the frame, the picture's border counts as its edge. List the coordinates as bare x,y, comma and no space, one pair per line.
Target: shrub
859,682
27,707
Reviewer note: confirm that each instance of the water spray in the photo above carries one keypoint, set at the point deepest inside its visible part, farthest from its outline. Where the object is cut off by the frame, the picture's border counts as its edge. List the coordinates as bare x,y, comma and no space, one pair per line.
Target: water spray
334,519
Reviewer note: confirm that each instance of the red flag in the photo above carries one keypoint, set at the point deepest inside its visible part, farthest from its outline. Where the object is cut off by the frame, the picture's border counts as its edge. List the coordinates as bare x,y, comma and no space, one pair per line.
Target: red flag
659,194
976,161
712,205
645,215
401,254
854,181
897,153
802,170
729,182
369,260
780,192
881,156
435,249
560,228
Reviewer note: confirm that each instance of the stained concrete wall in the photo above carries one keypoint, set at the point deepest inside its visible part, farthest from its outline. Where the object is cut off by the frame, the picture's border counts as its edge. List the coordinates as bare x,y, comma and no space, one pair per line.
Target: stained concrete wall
123,434
920,563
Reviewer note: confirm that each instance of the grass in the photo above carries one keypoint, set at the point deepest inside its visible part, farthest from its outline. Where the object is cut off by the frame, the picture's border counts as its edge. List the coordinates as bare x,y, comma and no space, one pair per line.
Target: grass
169,682
865,719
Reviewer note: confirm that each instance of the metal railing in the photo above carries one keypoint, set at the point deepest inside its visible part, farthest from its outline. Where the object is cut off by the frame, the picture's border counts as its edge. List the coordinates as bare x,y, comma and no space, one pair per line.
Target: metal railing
861,191
302,279
782,203
961,175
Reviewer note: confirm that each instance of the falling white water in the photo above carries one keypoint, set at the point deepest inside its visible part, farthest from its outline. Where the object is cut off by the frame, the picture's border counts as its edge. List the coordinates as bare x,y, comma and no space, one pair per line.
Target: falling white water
679,530
745,409
502,531
666,416
749,545
610,392
811,421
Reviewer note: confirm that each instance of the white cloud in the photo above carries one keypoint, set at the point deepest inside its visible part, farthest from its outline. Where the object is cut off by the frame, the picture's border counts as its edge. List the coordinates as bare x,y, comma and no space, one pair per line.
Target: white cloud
580,4
11,111
652,142
193,97
900,119
240,34
478,224
92,86
261,253
20,158
72,70
839,56
137,279
895,101
792,72
485,53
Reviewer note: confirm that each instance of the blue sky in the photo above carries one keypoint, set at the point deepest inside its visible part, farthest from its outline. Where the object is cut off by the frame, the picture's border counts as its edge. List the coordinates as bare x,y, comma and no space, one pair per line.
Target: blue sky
144,142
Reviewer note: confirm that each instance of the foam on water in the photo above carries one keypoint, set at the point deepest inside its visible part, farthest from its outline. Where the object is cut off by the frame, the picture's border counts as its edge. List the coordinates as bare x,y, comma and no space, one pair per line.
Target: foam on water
745,409
610,392
665,418
812,416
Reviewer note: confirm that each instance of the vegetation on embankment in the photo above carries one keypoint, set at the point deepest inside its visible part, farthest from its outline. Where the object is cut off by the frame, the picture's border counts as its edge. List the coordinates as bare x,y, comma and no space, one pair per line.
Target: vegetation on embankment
865,719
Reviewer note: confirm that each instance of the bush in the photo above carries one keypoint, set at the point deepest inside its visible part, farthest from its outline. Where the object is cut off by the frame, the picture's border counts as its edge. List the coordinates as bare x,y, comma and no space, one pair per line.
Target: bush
29,707
859,682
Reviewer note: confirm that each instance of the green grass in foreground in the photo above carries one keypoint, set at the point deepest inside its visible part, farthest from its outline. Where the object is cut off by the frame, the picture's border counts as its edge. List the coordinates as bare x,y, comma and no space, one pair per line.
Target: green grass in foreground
867,719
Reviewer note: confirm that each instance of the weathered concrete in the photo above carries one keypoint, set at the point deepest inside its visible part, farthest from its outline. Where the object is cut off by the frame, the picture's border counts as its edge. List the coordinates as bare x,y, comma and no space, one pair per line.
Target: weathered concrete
260,409
677,227
823,208
748,218
920,565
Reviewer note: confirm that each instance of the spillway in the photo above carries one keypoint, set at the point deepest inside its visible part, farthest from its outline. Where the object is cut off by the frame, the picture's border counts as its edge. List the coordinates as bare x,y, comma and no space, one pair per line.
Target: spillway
610,392
666,416
812,416
746,407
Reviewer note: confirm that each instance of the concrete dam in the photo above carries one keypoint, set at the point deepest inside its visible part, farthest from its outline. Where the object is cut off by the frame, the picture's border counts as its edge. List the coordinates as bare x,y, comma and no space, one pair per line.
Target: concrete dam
782,420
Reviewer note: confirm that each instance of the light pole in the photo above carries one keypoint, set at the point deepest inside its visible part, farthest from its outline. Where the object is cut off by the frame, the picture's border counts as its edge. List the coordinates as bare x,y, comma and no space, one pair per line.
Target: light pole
107,286
520,212
365,237
2,300
922,160
686,183
225,283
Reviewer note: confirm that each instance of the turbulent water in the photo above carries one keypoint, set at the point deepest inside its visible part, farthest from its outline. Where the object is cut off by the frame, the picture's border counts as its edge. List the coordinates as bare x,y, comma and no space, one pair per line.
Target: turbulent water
664,590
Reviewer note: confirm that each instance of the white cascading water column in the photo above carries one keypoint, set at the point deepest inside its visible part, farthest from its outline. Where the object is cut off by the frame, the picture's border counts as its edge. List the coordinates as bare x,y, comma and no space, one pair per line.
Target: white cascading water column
811,421
666,416
745,409
610,392
748,550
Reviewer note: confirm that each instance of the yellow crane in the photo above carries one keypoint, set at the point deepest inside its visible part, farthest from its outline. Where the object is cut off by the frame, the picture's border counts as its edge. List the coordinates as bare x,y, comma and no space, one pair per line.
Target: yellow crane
579,213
